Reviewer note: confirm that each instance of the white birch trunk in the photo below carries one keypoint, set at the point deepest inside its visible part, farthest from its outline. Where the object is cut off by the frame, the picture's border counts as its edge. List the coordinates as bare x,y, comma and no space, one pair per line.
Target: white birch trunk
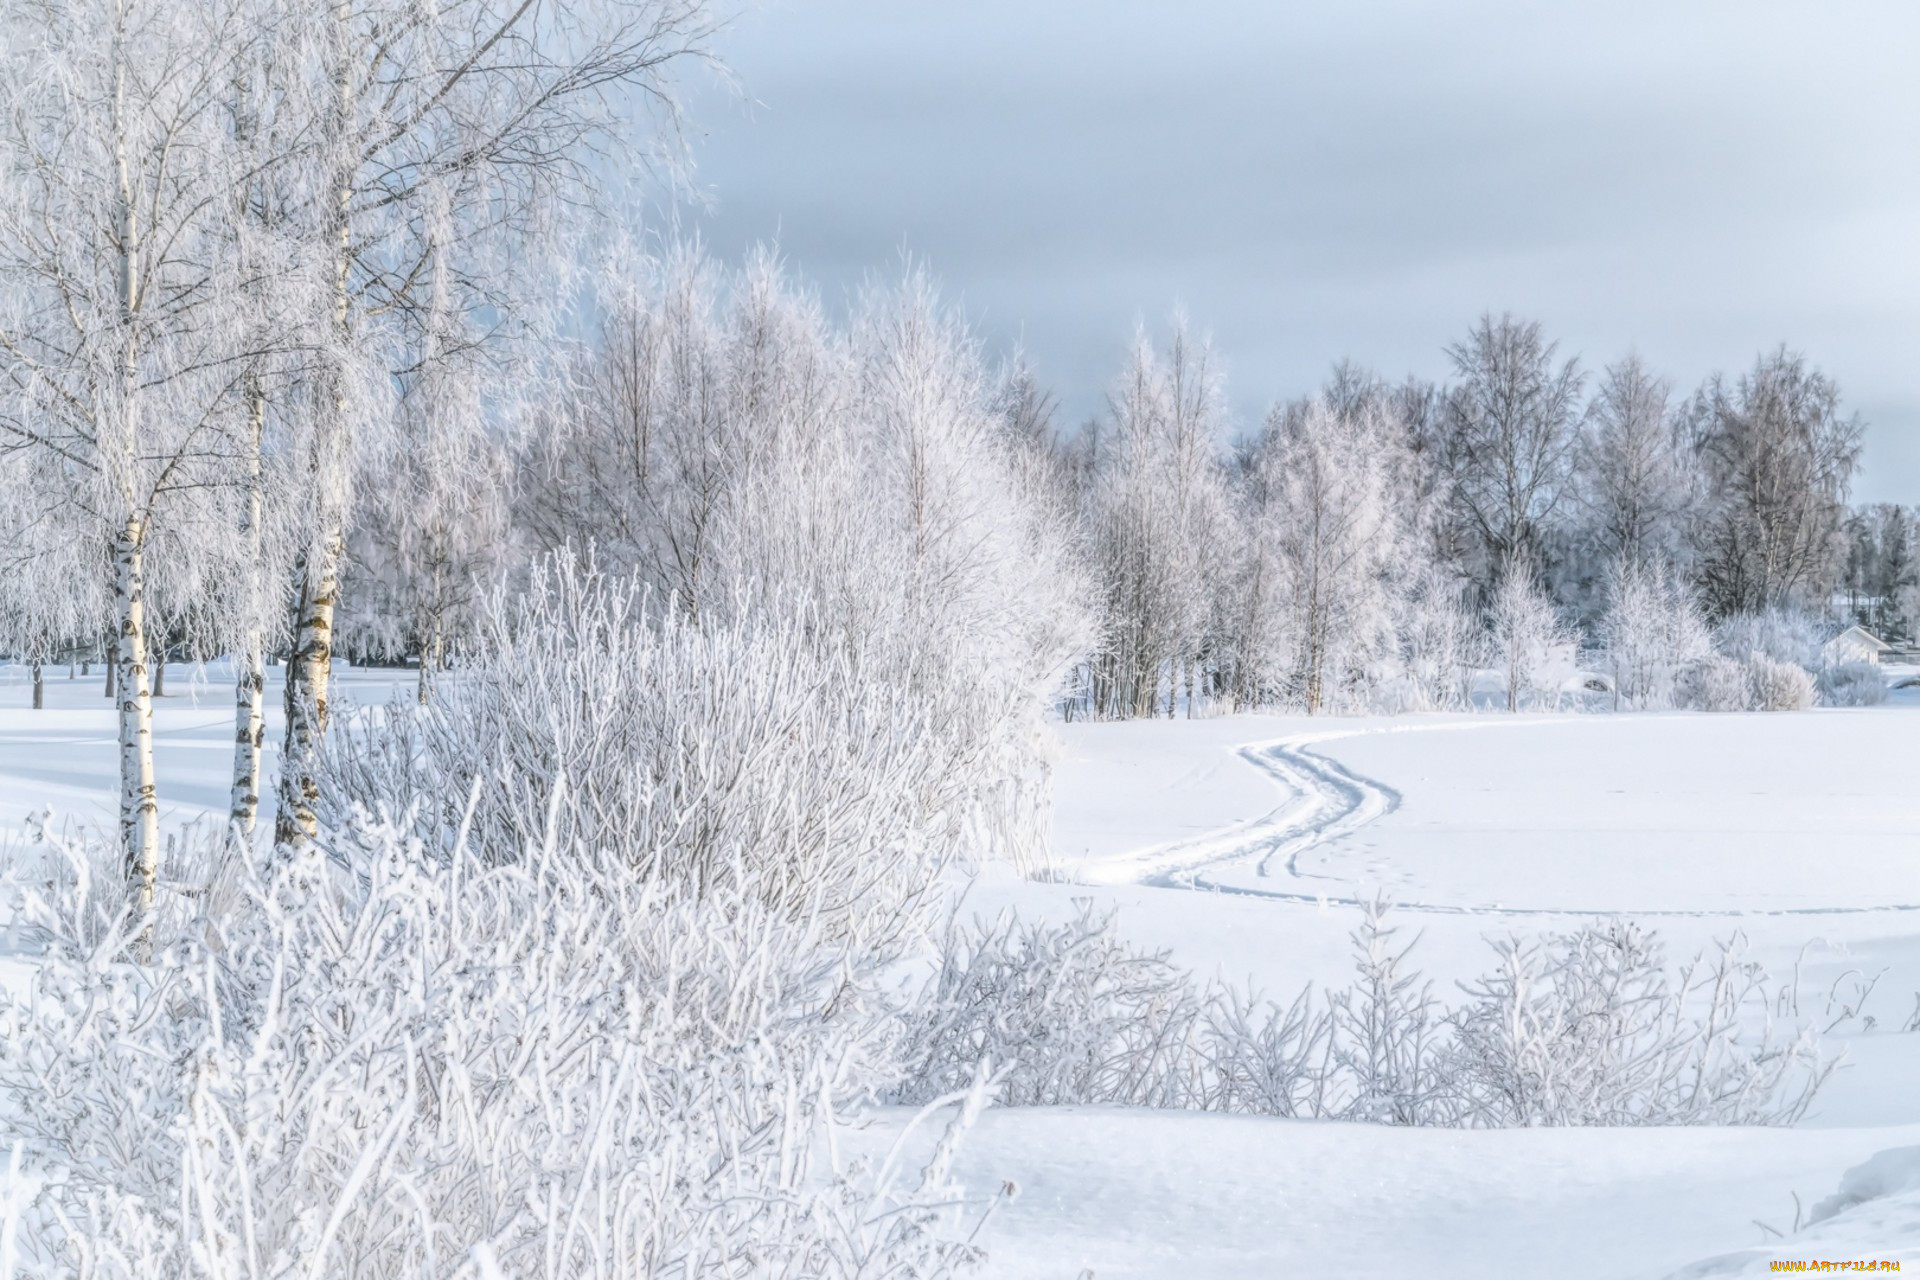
250,677
309,669
309,665
139,809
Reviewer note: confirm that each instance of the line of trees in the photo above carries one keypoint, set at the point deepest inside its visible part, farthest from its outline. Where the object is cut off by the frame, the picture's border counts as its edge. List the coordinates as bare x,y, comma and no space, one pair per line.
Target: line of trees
247,249
1881,581
1374,544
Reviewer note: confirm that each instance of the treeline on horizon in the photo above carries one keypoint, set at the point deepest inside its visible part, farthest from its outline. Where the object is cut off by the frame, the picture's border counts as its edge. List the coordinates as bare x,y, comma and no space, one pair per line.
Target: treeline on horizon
1371,544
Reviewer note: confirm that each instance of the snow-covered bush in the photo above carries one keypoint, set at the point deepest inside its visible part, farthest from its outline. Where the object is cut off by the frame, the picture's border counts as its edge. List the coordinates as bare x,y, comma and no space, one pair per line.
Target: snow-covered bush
1386,1034
1853,684
728,751
1779,686
1761,662
401,1061
1265,1058
1784,635
1068,1014
1584,1029
1579,1029
1071,1013
1650,632
1714,682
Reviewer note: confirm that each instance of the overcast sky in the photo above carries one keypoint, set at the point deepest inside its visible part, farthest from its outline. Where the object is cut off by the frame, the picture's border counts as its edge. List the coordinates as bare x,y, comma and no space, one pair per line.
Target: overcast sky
1696,180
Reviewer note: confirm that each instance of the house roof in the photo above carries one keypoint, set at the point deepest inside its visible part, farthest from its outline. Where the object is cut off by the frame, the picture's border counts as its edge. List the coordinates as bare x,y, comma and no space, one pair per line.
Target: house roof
1860,635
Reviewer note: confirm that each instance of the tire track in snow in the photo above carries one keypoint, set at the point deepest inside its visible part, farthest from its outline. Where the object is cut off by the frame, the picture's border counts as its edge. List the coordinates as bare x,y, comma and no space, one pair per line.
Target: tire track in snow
1327,801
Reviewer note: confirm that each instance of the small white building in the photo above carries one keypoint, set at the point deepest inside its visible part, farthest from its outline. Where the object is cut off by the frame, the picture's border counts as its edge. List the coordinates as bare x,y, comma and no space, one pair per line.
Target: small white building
1855,644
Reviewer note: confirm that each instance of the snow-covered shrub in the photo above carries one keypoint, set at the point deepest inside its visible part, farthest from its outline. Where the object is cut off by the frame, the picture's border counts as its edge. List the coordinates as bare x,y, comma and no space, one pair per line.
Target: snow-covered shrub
68,882
1650,632
401,1061
1387,1033
706,754
1585,1029
1523,630
1714,682
1784,635
1071,1013
1779,686
1265,1058
1853,684
1577,1029
1066,1014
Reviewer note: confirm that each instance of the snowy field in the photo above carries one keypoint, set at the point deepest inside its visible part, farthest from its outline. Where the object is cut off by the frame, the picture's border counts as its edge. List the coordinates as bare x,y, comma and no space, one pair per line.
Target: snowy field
1800,831
1240,844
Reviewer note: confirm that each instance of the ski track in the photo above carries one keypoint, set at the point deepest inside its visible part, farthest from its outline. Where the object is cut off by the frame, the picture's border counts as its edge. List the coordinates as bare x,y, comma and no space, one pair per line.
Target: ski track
1326,801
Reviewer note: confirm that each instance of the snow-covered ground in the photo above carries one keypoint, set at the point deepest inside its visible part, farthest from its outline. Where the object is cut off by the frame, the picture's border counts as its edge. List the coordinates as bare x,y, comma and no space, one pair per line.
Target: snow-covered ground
1240,845
1237,843
62,758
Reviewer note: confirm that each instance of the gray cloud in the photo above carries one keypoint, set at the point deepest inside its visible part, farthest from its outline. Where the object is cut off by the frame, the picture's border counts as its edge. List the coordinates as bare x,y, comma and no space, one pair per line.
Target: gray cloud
1695,181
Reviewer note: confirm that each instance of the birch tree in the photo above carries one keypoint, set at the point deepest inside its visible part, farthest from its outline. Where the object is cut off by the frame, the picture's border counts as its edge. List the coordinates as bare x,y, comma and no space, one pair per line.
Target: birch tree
468,130
119,306
1158,513
1778,456
1636,480
1339,538
1507,437
432,533
51,597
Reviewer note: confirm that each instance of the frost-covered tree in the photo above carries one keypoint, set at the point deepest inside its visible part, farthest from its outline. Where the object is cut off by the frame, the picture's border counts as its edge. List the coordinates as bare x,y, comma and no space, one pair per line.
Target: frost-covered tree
747,458
461,133
697,383
1506,439
53,596
120,304
1523,629
1649,633
1778,456
1882,575
1442,644
431,531
1157,512
1635,469
1327,546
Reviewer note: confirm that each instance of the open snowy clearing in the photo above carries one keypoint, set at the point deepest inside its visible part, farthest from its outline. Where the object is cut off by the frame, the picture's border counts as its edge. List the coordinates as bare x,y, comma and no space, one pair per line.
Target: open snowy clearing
1797,830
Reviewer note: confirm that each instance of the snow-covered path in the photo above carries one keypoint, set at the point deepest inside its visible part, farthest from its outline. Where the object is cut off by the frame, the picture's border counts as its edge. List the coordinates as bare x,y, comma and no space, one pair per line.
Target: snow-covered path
1326,801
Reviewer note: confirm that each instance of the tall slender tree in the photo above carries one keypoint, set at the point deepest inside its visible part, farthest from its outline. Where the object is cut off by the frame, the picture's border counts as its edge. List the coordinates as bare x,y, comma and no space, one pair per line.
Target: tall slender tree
1506,438
1778,455
118,301
458,133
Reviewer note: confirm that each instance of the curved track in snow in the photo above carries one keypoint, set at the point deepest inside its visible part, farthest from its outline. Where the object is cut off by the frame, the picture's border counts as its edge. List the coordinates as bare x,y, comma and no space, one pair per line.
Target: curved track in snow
1326,801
